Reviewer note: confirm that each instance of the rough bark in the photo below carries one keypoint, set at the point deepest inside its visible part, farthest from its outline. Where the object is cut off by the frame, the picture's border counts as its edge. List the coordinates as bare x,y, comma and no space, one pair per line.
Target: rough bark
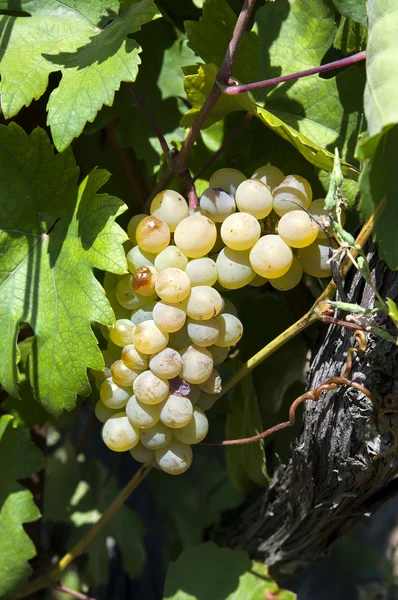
330,481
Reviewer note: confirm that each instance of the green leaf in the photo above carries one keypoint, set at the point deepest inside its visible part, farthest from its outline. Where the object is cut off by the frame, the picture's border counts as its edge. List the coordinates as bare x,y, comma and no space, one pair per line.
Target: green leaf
245,463
93,60
209,572
392,311
171,76
53,237
353,9
19,459
351,37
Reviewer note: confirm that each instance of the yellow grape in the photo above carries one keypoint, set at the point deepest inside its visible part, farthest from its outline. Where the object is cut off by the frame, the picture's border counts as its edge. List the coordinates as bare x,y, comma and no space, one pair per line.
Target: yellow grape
289,280
314,259
173,285
231,330
202,271
240,231
254,197
227,179
169,206
170,257
195,431
169,317
203,302
150,389
149,339
195,236
292,193
176,411
122,375
269,175
122,332
153,234
271,257
197,364
234,268
118,433
142,415
156,437
297,229
175,458
144,281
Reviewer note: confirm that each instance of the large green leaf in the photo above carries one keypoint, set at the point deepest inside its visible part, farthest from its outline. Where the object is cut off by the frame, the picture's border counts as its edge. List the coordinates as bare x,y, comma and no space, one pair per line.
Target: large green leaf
53,232
19,459
64,37
353,9
207,572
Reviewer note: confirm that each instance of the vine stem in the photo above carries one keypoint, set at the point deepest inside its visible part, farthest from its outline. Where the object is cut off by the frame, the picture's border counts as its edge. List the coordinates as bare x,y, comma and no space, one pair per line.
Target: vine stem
67,590
48,579
193,200
233,90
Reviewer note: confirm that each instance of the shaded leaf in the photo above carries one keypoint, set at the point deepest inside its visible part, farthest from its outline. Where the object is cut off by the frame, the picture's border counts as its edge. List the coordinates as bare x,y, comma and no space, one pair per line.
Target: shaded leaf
353,9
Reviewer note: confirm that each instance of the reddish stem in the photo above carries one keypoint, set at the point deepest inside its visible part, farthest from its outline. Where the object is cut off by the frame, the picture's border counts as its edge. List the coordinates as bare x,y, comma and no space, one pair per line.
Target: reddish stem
233,90
193,200
162,140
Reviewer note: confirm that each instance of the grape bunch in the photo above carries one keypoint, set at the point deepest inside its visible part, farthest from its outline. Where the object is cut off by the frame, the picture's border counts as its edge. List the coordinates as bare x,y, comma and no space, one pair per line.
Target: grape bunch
173,326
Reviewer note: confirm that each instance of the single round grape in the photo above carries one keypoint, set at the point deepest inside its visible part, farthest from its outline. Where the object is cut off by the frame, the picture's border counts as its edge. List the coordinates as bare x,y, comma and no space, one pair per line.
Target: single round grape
227,179
135,360
150,389
144,313
179,339
108,360
197,364
297,229
122,332
175,459
269,175
142,454
176,411
234,268
206,401
271,257
171,257
170,206
314,259
292,193
173,285
122,375
202,271
142,415
289,280
240,231
231,330
144,281
212,385
102,412
126,296
166,364
203,333
195,236
258,281
132,226
219,354
156,437
204,302
321,216
217,204
169,317
153,234
137,258
255,198
194,393
118,433
112,395
195,431
229,307
149,339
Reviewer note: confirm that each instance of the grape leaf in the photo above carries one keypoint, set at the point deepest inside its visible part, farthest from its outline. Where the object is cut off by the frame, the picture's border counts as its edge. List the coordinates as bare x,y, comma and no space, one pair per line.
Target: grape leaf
93,60
353,9
229,575
53,236
19,458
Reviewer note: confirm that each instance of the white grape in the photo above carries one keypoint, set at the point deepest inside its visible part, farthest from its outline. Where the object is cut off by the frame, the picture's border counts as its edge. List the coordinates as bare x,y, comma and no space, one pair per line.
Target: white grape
156,437
203,302
112,395
219,354
240,231
142,415
217,204
144,313
118,433
195,236
258,281
144,281
153,234
202,271
126,296
212,385
121,333
132,226
314,259
194,393
271,257
195,431
206,401
170,257
173,285
254,197
229,307
142,454
197,364
230,328
234,268
179,339
269,175
108,360
149,339
134,359
170,206
150,389
203,333
292,193
122,375
169,317
176,411
137,258
321,216
227,179
175,459
103,412
297,229
289,280
166,364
